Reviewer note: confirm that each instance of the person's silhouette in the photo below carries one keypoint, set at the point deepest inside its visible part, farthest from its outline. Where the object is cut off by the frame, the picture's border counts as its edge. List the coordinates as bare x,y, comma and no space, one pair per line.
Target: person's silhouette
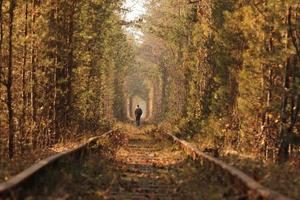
138,113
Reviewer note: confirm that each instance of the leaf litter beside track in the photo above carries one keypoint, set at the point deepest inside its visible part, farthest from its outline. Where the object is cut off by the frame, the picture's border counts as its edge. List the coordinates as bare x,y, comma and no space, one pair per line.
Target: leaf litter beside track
21,161
284,178
81,179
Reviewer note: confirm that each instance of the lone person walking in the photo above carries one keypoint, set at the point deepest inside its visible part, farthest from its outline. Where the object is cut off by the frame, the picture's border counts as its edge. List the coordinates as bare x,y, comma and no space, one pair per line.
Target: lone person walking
138,113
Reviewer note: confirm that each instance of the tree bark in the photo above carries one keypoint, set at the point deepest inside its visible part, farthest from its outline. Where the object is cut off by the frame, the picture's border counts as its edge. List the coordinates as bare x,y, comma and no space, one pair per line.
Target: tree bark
33,76
1,41
284,142
164,90
24,96
55,75
10,81
70,66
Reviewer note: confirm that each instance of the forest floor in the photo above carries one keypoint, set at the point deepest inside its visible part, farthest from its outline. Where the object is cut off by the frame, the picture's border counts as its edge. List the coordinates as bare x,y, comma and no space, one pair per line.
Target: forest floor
141,167
21,161
140,163
283,178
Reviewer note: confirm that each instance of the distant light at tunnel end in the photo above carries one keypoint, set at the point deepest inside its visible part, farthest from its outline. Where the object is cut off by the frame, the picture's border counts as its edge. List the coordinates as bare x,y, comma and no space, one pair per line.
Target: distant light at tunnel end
136,10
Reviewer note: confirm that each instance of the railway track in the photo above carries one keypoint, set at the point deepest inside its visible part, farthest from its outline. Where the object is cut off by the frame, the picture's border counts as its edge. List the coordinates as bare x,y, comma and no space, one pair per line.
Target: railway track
16,187
241,181
145,168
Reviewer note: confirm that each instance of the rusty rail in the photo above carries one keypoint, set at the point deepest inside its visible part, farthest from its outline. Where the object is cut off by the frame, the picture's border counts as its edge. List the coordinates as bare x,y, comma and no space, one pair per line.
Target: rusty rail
246,184
13,188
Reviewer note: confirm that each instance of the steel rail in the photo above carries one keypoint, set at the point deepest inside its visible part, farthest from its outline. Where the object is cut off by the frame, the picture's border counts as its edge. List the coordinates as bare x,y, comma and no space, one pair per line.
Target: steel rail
243,182
14,187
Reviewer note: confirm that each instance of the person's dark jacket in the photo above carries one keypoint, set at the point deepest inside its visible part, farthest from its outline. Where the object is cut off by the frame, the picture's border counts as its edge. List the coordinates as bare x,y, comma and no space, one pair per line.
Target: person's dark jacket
138,112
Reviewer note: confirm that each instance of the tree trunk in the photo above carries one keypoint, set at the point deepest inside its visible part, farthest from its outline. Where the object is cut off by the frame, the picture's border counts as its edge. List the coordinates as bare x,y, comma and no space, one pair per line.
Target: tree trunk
285,130
164,90
55,75
284,143
266,121
10,81
70,62
24,96
1,40
33,77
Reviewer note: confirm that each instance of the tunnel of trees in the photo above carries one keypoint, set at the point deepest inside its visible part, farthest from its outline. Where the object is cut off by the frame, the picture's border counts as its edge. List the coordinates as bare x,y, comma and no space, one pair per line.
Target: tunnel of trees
226,73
